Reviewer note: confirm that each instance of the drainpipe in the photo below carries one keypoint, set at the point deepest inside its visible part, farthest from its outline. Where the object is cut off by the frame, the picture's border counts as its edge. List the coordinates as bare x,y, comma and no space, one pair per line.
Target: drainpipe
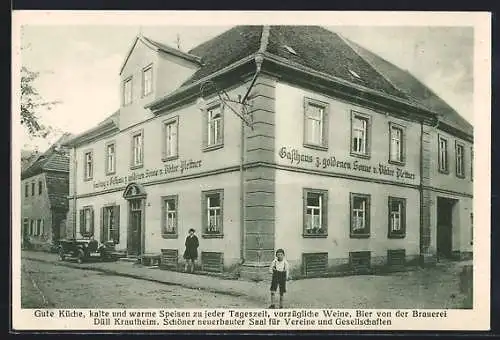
258,62
75,215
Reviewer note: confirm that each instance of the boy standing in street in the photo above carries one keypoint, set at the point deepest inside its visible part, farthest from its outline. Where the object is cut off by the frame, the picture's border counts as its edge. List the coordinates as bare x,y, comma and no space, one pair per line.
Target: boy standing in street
280,270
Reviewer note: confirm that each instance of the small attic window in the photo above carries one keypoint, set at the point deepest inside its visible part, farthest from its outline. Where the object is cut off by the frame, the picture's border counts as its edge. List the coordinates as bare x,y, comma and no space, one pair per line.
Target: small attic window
354,74
289,49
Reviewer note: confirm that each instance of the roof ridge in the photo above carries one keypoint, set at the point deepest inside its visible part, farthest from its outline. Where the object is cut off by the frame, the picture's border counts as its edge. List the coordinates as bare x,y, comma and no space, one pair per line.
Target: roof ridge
264,38
170,49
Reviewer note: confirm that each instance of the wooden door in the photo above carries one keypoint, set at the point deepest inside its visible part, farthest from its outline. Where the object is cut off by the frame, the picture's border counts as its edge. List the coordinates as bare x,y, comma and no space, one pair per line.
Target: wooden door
135,229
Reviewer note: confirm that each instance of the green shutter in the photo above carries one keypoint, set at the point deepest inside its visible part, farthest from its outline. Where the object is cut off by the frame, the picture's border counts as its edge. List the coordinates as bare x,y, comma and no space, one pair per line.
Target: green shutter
221,198
103,226
204,212
82,222
324,212
91,229
116,230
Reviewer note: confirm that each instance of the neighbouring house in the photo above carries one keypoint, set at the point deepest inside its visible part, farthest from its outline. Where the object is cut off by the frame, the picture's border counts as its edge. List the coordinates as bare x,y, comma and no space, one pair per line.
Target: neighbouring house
346,161
44,197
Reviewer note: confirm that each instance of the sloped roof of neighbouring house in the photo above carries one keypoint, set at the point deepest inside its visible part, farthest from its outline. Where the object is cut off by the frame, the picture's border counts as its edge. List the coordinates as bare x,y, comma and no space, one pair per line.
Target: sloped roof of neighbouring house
54,159
327,52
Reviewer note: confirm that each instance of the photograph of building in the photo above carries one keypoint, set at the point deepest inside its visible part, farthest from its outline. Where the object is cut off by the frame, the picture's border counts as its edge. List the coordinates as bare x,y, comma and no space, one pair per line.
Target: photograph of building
268,137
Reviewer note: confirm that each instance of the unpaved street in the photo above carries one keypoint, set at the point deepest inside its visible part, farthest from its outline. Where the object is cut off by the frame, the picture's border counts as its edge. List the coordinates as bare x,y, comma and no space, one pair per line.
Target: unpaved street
46,285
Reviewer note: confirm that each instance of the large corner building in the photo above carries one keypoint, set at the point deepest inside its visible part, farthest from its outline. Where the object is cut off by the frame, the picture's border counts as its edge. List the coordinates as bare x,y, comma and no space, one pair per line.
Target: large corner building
336,155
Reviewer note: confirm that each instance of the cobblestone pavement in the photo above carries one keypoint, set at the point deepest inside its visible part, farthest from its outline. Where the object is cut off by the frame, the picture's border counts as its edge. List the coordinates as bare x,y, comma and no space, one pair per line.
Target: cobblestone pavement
49,286
436,287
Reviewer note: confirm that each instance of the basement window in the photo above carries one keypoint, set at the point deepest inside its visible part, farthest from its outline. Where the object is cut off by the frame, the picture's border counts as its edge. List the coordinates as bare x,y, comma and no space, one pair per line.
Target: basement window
289,49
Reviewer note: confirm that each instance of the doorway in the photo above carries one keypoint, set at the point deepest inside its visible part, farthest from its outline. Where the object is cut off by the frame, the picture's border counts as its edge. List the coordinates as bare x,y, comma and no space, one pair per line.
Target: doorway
444,237
134,244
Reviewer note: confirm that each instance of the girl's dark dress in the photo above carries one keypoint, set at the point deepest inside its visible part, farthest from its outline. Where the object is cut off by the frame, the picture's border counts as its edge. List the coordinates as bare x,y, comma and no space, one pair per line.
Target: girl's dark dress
191,252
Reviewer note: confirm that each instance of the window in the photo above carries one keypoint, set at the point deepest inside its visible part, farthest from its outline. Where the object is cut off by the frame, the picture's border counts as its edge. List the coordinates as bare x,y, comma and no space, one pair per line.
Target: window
214,131
459,160
397,217
137,149
127,91
32,227
443,155
147,80
169,222
110,158
33,189
397,144
360,215
170,133
360,124
87,221
212,213
315,213
26,190
39,187
89,165
315,124
110,227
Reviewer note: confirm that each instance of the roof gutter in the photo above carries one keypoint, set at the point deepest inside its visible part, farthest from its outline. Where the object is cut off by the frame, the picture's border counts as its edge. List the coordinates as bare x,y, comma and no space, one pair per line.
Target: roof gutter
92,133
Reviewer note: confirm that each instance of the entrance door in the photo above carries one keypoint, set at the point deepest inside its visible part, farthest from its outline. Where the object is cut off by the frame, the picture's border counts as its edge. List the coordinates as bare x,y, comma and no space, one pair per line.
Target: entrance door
135,228
444,227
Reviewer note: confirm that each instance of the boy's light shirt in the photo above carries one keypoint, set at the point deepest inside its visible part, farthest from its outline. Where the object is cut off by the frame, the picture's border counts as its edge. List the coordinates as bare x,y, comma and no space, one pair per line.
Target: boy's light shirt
281,266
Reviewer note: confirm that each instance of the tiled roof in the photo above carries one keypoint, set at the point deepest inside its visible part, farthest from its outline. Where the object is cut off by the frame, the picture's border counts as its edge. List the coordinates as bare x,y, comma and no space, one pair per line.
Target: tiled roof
54,159
414,89
225,49
325,51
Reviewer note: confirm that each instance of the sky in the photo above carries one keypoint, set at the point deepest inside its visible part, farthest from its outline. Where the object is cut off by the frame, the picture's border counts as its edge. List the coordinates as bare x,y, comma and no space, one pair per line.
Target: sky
79,64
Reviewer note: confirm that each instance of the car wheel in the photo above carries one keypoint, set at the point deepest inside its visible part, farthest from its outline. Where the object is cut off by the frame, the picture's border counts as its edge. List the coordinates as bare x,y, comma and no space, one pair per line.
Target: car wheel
61,255
80,257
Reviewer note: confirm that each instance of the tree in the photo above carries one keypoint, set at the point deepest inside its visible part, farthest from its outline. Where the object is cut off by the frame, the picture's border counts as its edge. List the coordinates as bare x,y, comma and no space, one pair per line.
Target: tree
31,105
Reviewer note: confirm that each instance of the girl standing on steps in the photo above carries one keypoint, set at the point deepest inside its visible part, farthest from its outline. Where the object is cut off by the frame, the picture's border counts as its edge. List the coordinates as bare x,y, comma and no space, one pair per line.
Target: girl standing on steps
191,252
280,270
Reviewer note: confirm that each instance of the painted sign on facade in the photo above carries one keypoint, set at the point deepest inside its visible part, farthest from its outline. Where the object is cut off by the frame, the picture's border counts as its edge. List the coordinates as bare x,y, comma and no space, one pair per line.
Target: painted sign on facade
144,175
295,157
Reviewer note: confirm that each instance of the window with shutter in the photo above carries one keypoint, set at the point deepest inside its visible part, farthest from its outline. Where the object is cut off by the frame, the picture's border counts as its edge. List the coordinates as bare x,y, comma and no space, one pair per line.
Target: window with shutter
87,221
115,231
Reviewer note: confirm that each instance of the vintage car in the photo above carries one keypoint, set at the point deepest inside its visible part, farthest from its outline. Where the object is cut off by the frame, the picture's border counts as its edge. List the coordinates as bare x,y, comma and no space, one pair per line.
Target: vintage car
85,249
